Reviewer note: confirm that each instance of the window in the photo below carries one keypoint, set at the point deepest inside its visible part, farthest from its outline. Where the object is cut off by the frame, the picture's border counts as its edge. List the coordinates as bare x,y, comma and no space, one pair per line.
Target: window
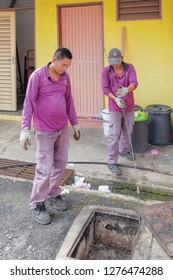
138,9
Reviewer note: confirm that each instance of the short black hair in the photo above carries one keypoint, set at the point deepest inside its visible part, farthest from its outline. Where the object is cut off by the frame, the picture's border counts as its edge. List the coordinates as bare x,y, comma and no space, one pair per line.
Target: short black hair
62,53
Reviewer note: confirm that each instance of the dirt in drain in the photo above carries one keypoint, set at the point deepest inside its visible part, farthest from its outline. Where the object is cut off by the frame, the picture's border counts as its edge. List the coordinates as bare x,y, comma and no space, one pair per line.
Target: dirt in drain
107,236
98,251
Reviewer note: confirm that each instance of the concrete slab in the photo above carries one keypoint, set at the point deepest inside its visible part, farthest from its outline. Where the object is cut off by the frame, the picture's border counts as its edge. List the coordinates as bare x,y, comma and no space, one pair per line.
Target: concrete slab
92,148
154,172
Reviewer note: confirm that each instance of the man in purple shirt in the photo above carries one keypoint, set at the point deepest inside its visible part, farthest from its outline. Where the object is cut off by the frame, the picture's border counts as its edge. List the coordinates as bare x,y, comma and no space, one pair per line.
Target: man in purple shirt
119,80
49,104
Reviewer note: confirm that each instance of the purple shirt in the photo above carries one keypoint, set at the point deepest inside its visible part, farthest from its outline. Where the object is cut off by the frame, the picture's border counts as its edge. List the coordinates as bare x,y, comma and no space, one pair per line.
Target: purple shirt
49,102
111,81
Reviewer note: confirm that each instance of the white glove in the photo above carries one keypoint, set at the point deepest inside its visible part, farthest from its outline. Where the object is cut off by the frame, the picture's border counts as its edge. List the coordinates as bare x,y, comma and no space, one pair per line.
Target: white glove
25,138
122,92
120,102
76,130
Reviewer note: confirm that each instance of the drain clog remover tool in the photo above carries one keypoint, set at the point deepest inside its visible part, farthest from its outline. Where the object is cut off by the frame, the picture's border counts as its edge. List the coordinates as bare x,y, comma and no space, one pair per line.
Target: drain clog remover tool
137,184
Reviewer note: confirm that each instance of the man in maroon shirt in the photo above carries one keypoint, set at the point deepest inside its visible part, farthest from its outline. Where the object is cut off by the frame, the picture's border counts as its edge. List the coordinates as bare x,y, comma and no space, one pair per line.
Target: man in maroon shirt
49,104
118,83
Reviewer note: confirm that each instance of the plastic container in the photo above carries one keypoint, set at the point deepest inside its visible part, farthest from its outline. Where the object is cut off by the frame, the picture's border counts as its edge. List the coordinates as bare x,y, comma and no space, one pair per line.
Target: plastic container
138,107
105,117
105,114
160,132
139,136
105,127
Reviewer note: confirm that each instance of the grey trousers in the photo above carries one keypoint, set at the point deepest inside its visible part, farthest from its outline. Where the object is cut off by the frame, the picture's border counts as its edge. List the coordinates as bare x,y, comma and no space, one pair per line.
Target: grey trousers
120,129
51,161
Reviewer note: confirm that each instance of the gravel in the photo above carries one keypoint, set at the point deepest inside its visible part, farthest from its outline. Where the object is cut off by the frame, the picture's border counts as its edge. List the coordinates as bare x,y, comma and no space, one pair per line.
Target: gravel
21,237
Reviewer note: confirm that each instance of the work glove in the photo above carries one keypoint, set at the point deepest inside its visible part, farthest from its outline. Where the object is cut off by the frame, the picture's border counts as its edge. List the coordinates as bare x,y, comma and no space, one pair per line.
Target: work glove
25,138
122,92
76,130
120,102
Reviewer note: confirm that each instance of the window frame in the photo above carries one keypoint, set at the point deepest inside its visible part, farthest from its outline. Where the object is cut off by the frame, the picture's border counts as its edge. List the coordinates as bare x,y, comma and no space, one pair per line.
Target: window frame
147,17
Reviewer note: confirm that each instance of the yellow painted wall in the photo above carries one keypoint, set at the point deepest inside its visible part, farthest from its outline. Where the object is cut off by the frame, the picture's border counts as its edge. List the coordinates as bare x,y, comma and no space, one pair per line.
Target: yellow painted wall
148,46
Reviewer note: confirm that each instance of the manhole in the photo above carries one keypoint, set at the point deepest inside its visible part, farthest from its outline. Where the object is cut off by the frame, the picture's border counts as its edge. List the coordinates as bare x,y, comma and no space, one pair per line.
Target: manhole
101,233
26,170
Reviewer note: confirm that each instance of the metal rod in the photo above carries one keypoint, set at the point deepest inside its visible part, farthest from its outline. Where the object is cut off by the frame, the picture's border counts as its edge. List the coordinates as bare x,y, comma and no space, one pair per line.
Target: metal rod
131,147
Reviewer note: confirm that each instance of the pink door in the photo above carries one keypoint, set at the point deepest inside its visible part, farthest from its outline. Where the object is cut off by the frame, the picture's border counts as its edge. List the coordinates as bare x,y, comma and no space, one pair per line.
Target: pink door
81,30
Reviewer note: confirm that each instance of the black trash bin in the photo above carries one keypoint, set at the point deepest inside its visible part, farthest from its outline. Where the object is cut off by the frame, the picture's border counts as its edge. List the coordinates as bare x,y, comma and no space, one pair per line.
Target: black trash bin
160,131
139,136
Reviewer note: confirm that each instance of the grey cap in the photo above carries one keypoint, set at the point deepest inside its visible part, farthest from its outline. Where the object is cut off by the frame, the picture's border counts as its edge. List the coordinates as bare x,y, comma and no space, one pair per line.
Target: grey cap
115,56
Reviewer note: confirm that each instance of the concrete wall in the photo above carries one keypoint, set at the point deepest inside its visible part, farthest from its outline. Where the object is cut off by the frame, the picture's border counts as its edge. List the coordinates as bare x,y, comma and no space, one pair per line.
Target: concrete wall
148,45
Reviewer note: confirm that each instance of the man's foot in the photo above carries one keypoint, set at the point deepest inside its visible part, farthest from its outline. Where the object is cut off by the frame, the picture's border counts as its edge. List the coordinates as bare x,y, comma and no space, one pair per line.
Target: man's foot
128,156
114,168
59,203
41,215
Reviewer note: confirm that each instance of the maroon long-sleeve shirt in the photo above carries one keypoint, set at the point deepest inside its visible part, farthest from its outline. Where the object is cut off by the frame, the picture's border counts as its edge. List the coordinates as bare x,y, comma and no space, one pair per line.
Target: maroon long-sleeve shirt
48,102
111,81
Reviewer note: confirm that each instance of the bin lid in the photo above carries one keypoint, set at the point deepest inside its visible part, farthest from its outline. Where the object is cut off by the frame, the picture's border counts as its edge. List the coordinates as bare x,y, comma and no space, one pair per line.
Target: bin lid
138,108
158,109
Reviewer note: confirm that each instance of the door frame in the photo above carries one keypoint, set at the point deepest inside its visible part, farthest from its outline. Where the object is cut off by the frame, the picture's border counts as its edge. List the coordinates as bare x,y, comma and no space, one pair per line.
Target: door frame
59,34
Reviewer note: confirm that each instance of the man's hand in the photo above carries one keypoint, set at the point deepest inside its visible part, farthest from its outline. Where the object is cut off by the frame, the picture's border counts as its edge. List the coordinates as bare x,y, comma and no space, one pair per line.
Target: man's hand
76,130
120,102
25,138
122,92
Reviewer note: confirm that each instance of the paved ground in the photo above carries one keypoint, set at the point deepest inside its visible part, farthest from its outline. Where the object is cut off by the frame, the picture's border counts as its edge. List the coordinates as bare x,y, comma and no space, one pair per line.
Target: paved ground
22,238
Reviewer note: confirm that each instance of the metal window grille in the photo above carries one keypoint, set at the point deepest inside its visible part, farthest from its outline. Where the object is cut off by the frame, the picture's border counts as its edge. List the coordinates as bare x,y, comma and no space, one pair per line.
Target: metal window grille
138,9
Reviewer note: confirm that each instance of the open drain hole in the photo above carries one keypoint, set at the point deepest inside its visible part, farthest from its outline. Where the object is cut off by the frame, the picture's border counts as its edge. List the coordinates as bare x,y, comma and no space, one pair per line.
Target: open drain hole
107,237
104,235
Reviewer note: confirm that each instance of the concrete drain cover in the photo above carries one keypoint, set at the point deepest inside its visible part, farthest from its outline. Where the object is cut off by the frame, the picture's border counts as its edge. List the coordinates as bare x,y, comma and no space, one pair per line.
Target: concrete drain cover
159,219
26,170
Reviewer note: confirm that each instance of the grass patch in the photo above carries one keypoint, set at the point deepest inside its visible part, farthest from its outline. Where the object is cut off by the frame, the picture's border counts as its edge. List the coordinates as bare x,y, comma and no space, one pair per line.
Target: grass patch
131,189
145,193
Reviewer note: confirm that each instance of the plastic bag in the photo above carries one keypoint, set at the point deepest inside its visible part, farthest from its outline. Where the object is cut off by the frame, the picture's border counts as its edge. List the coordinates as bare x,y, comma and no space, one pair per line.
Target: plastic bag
141,116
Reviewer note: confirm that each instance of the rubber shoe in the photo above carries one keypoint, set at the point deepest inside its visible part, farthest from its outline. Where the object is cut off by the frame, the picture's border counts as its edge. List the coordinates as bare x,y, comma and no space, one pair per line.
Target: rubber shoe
41,215
59,203
128,156
114,168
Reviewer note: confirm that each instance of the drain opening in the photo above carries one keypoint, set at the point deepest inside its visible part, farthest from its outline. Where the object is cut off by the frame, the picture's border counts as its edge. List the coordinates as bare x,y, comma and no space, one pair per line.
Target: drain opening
107,236
26,170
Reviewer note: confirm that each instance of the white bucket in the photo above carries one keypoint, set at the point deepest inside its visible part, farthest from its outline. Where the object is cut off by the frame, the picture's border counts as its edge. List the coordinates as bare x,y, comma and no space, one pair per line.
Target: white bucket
105,117
105,127
105,114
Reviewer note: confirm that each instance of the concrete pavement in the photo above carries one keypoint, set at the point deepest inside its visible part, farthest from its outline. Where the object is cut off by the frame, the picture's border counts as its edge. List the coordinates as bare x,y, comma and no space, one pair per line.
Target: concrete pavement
89,158
153,170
